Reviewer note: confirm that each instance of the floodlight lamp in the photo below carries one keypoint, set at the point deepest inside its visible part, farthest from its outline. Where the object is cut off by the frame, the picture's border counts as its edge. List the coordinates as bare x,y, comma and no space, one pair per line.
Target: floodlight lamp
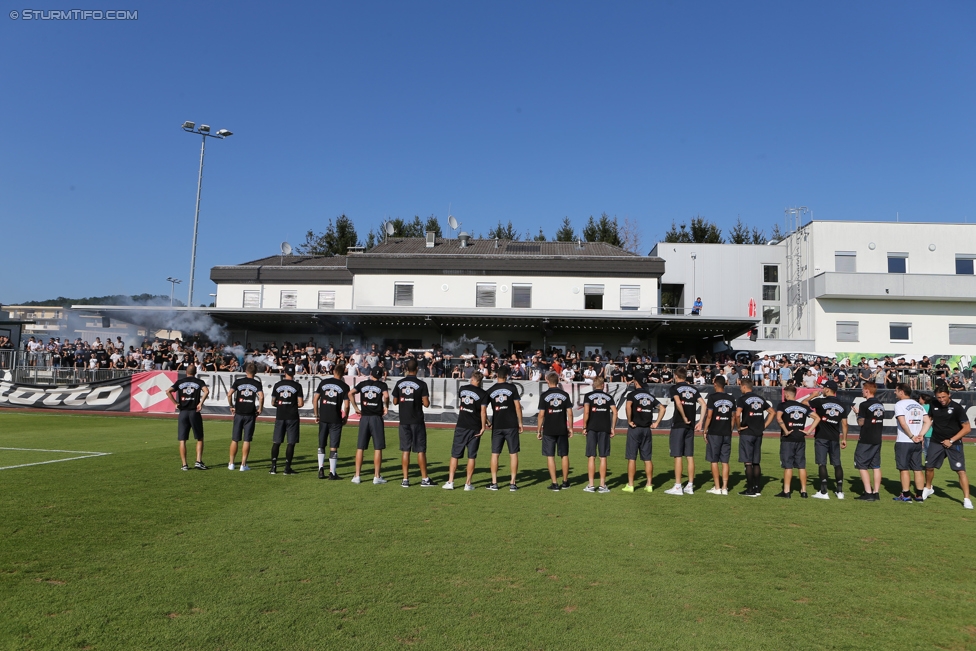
224,133
189,125
205,128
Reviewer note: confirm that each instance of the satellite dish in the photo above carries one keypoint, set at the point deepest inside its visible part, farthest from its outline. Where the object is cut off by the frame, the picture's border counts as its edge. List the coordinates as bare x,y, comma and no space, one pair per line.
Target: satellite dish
453,223
389,228
285,248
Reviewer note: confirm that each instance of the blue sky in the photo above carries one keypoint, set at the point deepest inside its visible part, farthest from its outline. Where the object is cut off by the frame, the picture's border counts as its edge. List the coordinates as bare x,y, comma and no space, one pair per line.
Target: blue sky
528,112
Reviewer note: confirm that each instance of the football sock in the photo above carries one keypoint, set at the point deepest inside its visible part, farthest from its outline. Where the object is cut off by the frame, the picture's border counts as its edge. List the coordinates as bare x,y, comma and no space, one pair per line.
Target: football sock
756,476
333,458
274,452
289,453
823,479
839,478
321,458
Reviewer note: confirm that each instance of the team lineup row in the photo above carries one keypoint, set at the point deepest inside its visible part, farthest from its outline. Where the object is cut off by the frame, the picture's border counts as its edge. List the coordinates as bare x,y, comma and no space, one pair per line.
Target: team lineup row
945,424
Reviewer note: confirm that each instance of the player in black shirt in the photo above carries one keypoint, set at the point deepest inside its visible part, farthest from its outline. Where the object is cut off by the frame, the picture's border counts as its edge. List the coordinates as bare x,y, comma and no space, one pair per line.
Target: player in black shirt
288,397
792,419
506,424
949,426
412,395
720,415
555,428
374,397
830,423
686,400
331,408
246,399
189,394
867,454
754,414
471,424
599,426
640,410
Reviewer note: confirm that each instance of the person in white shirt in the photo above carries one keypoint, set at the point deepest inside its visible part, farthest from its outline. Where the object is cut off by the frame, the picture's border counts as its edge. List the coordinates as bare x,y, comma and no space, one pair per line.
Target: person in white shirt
913,422
567,374
589,373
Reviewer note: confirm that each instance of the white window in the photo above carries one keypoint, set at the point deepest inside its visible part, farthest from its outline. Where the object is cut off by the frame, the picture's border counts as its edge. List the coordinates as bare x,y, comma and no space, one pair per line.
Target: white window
327,299
289,299
485,295
962,334
897,263
252,298
770,332
403,294
630,297
847,331
770,292
521,295
771,314
900,332
845,261
593,297
770,273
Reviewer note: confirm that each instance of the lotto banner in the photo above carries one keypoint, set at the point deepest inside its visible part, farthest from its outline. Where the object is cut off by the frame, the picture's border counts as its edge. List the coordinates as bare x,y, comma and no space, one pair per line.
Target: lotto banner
149,392
111,395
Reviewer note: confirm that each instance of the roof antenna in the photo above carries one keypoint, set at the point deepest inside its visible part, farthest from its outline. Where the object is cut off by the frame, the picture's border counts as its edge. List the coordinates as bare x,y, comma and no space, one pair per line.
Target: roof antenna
285,250
451,221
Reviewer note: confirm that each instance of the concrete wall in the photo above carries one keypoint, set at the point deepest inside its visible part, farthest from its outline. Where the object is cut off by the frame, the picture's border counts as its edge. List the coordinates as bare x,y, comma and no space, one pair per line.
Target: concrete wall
232,295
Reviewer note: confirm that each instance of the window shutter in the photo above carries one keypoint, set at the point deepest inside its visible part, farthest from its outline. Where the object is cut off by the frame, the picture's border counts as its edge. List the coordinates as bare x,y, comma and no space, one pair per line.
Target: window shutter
962,334
593,290
486,295
403,294
252,299
327,300
289,299
630,297
845,261
522,296
847,331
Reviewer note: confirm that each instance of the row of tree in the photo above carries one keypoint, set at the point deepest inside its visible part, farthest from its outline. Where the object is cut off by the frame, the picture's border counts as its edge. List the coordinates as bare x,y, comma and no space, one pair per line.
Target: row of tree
702,231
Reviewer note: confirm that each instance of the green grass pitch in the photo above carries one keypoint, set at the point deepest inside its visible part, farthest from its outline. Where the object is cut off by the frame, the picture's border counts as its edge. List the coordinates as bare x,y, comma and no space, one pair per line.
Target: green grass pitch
126,552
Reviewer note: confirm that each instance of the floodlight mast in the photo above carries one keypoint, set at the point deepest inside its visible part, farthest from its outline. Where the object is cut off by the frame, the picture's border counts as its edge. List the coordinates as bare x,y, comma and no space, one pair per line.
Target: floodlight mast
204,131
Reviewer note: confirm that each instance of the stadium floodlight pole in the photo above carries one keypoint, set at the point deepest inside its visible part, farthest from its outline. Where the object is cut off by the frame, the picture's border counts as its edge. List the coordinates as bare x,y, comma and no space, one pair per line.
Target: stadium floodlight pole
204,131
172,288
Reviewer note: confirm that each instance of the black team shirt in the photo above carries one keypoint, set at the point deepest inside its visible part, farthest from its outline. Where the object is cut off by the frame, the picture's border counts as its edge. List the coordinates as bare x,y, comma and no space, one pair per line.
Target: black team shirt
831,412
795,418
723,409
754,409
643,407
554,402
410,392
689,399
371,397
246,390
469,413
872,411
188,392
503,397
946,421
332,392
600,417
284,396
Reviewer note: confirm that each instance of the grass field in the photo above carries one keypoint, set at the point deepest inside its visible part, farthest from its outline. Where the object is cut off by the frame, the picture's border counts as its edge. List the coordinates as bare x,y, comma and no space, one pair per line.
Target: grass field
126,552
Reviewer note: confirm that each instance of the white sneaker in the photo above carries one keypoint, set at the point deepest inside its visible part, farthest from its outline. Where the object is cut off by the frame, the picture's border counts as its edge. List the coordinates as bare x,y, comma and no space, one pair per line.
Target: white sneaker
725,491
714,491
448,486
820,496
245,468
927,493
230,466
674,490
967,503
356,479
379,480
689,489
839,495
468,487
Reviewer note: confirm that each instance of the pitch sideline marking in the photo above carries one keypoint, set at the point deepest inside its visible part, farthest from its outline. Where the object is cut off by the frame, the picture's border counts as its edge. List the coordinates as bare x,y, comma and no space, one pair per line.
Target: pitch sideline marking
87,455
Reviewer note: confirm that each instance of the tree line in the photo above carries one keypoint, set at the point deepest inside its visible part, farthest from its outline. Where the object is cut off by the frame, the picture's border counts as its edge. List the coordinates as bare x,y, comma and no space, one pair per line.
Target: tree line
700,230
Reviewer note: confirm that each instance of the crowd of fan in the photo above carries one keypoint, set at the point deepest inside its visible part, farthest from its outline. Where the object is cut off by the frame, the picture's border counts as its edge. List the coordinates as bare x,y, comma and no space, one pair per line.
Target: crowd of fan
571,365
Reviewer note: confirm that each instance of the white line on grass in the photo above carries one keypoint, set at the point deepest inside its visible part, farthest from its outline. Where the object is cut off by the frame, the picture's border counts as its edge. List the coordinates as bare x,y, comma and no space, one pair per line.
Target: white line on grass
87,455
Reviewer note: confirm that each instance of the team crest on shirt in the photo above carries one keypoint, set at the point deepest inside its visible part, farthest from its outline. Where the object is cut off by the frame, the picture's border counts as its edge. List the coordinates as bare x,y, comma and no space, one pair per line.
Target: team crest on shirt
286,392
331,391
408,388
877,411
832,409
555,400
756,403
501,395
188,388
371,392
796,413
687,393
247,390
469,397
723,406
599,399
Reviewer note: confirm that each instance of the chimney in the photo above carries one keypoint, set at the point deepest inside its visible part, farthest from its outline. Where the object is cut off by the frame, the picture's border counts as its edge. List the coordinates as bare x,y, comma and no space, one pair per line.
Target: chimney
431,237
463,238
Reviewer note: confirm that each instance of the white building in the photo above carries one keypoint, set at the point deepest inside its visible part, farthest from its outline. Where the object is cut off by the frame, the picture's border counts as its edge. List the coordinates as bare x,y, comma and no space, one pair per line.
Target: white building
841,287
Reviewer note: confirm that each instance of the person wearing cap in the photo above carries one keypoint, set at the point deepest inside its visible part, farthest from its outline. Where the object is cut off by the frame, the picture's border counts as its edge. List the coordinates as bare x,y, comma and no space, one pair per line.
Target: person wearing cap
373,405
640,410
288,397
830,423
412,396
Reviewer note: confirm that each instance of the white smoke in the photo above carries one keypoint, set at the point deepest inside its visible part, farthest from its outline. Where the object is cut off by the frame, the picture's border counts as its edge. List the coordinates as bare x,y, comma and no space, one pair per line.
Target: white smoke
457,346
167,318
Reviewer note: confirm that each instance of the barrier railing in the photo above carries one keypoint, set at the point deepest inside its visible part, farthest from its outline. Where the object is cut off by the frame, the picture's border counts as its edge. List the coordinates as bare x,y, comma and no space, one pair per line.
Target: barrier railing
56,376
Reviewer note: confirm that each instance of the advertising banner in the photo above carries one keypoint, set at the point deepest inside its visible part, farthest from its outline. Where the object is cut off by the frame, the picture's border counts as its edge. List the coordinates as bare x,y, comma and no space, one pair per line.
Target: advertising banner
110,395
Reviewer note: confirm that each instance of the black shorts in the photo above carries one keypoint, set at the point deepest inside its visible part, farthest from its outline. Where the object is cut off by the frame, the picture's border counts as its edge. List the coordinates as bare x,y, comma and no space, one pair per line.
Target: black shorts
330,433
243,427
413,437
371,427
555,446
938,452
597,444
288,427
718,448
908,456
867,456
465,439
824,449
682,441
189,419
499,437
750,448
638,443
793,454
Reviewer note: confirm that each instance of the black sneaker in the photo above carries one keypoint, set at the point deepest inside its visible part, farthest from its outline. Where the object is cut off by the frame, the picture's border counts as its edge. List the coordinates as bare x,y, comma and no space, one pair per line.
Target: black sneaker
405,483
512,488
492,487
427,482
918,498
199,466
289,471
334,477
866,497
185,467
554,487
784,494
564,485
804,495
274,470
875,497
321,472
747,493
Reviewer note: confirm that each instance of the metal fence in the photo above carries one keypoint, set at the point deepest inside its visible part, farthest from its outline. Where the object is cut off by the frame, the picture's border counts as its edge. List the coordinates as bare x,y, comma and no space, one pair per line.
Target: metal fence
56,376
